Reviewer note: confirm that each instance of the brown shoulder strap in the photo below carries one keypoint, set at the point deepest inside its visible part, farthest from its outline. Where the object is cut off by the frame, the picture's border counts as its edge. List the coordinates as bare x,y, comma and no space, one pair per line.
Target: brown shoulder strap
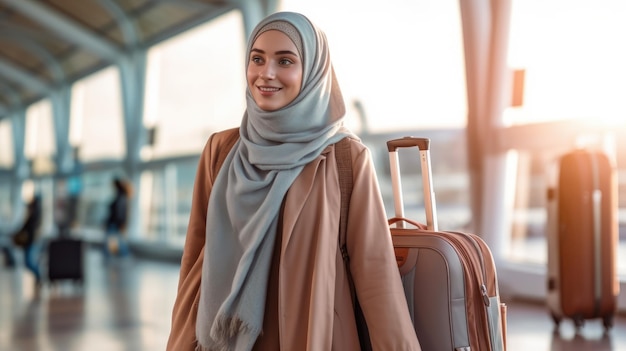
229,141
344,167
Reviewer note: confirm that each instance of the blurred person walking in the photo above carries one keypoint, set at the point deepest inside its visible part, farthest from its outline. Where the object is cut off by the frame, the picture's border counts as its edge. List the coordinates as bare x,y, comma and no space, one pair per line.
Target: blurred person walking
26,237
116,221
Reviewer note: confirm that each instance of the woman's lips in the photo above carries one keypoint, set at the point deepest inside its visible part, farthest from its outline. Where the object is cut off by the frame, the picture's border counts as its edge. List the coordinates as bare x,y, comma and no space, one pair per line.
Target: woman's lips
268,91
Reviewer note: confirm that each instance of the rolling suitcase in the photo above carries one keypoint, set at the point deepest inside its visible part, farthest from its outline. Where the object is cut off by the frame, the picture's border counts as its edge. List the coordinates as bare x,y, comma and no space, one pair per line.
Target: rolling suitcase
449,278
583,239
65,260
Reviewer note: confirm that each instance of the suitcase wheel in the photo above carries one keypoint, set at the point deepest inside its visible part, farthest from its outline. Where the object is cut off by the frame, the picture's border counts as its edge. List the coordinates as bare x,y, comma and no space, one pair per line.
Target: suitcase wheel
556,319
607,321
578,322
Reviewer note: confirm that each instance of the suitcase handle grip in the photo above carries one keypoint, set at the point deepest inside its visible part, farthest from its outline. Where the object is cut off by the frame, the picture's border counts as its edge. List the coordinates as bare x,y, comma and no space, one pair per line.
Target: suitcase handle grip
394,220
429,197
422,143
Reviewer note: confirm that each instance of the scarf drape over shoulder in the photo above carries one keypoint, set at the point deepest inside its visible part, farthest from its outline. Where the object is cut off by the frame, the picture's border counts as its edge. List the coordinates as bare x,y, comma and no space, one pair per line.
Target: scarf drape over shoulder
244,204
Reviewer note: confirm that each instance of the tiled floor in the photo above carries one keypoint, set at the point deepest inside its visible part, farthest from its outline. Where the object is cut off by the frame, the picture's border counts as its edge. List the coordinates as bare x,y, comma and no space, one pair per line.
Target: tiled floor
126,306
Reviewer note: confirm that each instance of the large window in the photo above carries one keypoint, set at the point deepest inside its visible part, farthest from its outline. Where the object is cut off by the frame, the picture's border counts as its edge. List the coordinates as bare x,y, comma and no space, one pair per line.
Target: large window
575,83
96,120
7,212
39,145
166,194
402,60
6,144
573,59
195,86
96,195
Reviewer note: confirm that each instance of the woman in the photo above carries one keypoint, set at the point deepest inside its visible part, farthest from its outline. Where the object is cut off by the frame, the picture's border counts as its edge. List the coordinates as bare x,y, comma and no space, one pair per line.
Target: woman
261,267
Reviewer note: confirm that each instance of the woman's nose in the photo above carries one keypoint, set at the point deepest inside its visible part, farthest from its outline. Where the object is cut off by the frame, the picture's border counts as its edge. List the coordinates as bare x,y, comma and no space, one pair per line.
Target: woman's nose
267,72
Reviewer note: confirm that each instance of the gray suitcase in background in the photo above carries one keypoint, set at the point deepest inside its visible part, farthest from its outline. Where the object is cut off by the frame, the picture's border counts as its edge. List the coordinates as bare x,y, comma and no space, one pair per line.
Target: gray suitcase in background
449,278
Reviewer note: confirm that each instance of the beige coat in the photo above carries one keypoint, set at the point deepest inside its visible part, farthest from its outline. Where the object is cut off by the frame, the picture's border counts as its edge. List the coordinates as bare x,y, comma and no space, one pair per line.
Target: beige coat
312,309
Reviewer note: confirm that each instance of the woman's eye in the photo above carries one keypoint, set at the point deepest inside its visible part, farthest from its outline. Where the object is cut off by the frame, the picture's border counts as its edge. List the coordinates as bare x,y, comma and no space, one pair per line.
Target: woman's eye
256,59
285,61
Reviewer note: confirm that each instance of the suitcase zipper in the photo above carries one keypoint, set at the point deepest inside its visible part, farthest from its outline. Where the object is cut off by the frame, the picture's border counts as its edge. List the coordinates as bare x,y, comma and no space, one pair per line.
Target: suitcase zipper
483,283
596,201
481,277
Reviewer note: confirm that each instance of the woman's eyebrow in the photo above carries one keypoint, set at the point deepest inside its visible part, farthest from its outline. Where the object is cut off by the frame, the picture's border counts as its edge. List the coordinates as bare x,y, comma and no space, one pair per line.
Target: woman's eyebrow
280,52
285,52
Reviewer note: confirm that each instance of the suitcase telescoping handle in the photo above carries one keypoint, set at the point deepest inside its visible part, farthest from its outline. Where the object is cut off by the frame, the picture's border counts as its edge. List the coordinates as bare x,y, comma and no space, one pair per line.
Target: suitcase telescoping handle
429,195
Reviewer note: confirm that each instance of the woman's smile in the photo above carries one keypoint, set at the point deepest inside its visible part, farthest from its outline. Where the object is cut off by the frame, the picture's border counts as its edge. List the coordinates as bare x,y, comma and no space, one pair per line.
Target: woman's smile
268,91
274,70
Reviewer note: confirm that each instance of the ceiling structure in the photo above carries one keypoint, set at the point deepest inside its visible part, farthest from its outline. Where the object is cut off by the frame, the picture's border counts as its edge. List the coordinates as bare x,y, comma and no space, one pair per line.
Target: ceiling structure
46,44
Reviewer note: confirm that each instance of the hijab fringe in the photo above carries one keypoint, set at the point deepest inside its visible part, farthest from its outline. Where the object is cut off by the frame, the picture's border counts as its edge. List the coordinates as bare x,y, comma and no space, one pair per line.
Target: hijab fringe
225,329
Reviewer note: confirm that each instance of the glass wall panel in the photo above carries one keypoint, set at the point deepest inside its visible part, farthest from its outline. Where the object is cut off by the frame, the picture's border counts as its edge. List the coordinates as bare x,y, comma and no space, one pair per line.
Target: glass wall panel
7,212
153,204
402,61
195,86
7,157
165,201
97,192
96,121
574,84
574,66
39,145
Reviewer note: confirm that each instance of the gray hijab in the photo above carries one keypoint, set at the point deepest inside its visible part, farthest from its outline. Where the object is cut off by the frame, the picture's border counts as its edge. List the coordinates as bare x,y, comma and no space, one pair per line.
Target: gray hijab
245,201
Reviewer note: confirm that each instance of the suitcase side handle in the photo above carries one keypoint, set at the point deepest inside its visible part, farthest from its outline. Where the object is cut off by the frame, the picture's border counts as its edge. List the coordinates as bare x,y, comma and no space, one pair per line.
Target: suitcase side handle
422,143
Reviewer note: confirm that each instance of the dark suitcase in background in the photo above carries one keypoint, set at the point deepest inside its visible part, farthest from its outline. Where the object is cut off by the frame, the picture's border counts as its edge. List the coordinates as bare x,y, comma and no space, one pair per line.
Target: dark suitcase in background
583,239
449,278
65,260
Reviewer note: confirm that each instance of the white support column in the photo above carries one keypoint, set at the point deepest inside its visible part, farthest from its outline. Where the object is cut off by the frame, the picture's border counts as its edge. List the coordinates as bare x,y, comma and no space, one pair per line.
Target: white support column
22,170
252,13
476,19
485,28
132,69
500,166
61,99
499,178
18,124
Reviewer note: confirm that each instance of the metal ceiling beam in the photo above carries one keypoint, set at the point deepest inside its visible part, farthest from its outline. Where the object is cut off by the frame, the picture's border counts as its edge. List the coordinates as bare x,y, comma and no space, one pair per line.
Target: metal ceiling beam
11,97
18,75
203,17
65,27
127,25
26,42
194,4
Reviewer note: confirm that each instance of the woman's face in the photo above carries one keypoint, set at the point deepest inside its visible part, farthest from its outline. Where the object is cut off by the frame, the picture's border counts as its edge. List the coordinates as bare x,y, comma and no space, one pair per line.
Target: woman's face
274,71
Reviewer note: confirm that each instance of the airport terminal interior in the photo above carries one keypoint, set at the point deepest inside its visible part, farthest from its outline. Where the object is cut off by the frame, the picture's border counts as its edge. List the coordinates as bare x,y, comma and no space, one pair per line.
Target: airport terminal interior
97,90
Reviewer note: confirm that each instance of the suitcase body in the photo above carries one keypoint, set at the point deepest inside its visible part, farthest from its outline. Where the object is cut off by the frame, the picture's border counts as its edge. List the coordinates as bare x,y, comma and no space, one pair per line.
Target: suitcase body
582,239
449,278
65,259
